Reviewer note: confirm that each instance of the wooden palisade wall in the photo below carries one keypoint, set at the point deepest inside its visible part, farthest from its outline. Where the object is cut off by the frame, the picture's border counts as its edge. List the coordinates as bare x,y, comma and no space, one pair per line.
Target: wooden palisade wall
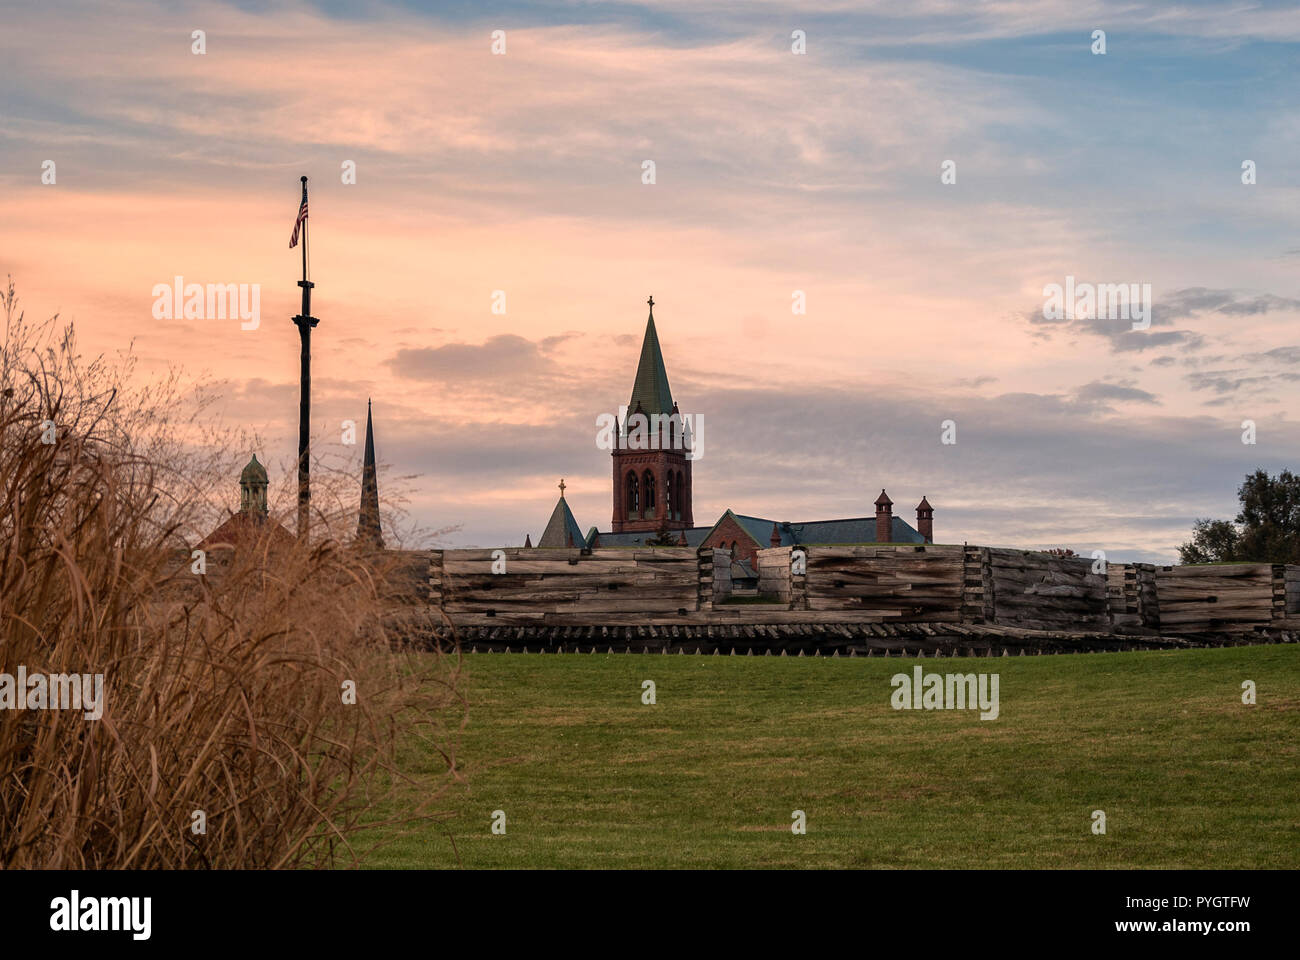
900,583
553,586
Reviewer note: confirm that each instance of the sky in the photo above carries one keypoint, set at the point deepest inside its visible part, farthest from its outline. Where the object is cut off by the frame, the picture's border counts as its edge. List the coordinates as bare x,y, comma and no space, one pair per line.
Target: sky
821,172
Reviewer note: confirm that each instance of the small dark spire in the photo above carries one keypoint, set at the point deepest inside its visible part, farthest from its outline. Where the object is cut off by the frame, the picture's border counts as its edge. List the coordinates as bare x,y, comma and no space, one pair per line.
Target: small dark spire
368,529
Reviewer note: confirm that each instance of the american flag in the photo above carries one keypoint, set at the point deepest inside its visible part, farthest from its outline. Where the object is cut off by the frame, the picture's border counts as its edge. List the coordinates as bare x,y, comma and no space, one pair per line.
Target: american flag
302,215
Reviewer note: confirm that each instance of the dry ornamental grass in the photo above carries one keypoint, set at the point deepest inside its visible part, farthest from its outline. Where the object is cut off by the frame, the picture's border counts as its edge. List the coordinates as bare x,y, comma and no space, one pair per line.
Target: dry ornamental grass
224,703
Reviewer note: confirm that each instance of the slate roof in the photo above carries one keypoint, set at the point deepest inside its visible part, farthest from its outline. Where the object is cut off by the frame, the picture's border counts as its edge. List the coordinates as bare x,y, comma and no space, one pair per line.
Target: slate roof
855,530
562,530
852,530
694,537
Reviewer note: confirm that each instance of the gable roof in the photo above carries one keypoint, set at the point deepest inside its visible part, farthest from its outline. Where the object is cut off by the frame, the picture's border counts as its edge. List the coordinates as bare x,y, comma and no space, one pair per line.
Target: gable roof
757,528
650,389
245,529
562,530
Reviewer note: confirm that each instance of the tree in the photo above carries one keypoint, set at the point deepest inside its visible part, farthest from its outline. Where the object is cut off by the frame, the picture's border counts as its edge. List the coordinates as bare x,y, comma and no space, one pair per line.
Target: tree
1267,530
662,537
1270,518
1213,541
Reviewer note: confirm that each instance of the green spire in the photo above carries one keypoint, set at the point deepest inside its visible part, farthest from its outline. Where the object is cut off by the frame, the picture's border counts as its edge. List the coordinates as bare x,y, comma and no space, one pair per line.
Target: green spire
651,388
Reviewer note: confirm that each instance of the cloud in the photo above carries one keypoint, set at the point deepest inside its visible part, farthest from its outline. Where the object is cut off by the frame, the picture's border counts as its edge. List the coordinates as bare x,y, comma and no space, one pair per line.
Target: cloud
1098,392
1285,355
1222,381
503,357
1189,303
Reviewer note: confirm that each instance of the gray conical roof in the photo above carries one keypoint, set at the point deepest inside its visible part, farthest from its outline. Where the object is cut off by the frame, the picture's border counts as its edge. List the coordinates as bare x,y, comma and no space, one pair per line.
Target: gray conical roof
562,530
650,389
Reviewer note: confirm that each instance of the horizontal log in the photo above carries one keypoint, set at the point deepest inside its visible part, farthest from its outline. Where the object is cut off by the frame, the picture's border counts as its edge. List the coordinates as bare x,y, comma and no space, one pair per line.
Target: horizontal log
528,583
1233,570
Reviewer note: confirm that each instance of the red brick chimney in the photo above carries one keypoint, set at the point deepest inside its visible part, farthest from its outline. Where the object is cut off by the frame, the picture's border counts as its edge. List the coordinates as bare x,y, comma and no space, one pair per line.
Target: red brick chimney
775,539
884,518
925,520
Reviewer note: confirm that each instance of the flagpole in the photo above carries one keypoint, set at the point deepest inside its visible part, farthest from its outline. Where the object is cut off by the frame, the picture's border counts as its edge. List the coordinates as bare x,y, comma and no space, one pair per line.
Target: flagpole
304,321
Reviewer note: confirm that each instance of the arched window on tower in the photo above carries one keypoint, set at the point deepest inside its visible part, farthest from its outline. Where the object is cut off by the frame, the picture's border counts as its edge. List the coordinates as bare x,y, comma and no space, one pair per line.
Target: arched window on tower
633,497
670,496
680,491
648,493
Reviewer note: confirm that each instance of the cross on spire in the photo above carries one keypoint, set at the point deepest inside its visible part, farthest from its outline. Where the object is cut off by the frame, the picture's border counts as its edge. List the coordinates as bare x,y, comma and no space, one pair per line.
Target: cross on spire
651,301
561,486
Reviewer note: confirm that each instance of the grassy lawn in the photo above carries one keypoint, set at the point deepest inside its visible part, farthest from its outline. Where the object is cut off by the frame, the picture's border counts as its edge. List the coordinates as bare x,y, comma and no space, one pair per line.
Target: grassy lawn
588,776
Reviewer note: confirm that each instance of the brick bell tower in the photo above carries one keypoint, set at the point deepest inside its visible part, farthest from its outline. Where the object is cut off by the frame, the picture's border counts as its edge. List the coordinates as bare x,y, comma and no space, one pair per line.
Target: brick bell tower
652,475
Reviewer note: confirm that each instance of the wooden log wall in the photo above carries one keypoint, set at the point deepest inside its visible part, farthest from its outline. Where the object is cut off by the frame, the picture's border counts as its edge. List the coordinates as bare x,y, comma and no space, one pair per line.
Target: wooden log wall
1290,594
977,586
774,577
548,586
1039,591
903,583
1131,598
1226,597
714,576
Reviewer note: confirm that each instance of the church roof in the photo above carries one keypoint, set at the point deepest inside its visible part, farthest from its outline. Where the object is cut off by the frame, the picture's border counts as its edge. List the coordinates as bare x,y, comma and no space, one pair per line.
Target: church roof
562,530
245,529
650,389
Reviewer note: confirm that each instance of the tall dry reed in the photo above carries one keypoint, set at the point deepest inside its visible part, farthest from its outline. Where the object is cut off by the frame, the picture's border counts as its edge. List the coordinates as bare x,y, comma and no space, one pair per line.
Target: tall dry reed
225,700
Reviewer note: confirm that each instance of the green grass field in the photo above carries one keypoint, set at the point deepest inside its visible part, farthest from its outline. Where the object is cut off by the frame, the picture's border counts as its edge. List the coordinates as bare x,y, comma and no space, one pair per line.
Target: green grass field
589,777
